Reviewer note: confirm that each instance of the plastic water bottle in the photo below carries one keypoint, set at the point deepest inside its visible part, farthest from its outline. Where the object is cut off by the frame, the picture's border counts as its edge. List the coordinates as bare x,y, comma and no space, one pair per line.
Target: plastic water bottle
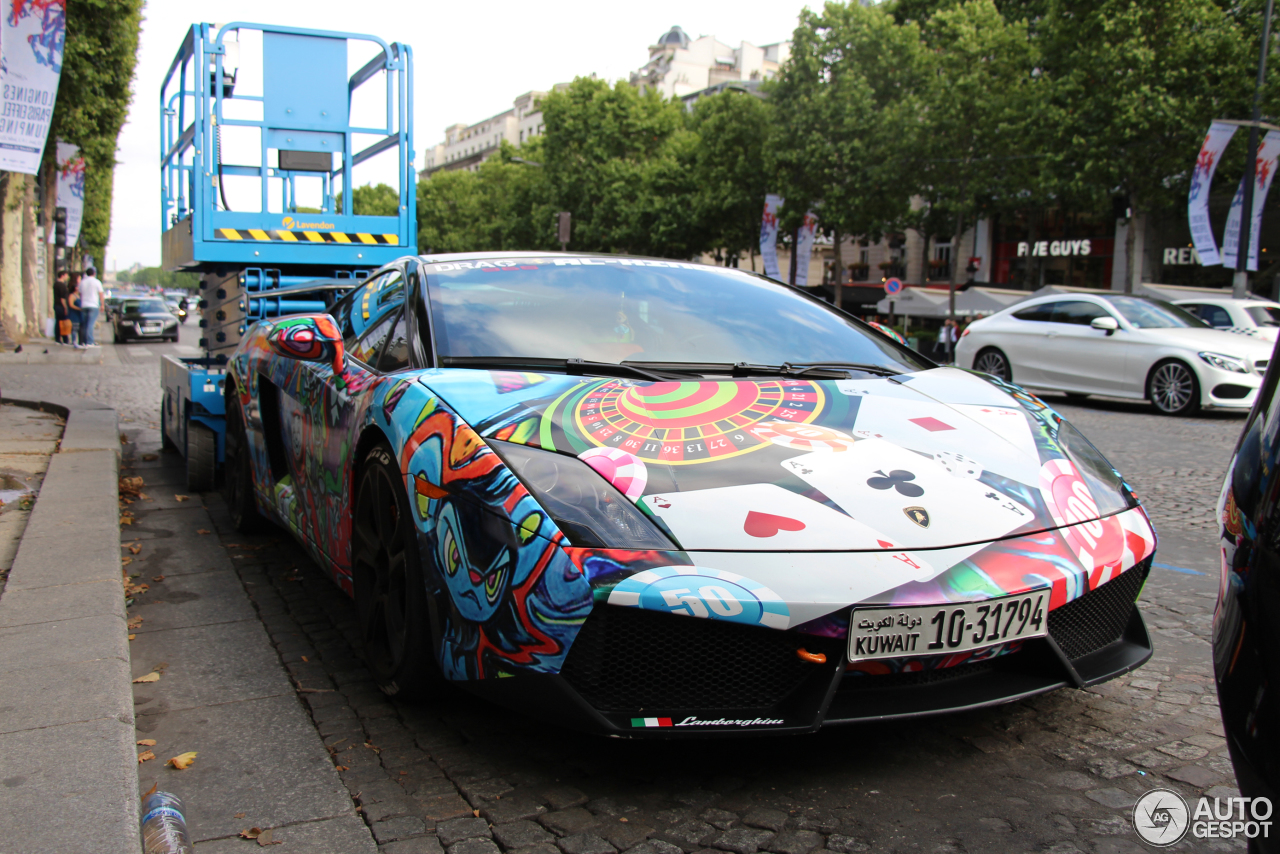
164,830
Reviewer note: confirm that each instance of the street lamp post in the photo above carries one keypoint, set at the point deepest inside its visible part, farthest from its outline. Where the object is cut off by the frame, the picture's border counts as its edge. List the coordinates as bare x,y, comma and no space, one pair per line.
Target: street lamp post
1240,282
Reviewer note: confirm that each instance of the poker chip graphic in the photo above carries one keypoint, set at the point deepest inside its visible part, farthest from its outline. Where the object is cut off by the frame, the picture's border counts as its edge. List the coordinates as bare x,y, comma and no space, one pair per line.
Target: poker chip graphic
691,422
625,471
696,591
1098,543
802,437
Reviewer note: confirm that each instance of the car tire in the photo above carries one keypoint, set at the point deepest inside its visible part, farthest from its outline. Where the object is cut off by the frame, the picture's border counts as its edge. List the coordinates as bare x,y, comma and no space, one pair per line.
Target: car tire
166,444
386,574
992,360
1076,397
237,484
1173,389
202,457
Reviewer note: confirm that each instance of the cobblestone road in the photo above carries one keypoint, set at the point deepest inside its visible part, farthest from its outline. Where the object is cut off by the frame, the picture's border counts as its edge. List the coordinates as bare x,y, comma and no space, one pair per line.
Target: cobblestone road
1058,773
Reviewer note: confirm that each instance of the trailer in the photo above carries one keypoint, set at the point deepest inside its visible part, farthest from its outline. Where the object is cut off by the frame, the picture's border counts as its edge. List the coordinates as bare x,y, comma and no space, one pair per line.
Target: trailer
299,113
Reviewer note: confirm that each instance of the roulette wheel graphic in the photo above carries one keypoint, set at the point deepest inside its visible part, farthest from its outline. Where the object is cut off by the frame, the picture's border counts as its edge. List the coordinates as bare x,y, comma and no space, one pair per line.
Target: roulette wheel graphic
681,423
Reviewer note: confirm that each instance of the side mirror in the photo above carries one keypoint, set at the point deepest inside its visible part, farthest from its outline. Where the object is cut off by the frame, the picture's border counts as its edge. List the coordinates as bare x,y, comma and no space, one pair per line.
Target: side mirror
309,338
1106,323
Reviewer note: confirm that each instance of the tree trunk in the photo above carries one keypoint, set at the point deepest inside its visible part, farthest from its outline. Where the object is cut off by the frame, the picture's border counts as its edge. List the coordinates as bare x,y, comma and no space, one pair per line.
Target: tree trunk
955,266
795,241
1136,241
32,290
838,299
12,302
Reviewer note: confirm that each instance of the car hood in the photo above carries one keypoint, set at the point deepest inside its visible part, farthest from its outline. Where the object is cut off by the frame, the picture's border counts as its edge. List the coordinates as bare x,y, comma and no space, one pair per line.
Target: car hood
932,460
1216,340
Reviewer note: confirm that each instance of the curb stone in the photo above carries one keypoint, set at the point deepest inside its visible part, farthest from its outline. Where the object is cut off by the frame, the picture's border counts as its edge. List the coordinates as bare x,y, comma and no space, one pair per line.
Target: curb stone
67,759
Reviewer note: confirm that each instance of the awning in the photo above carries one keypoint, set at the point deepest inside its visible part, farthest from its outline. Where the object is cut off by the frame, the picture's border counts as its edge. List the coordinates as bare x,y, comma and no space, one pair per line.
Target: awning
936,302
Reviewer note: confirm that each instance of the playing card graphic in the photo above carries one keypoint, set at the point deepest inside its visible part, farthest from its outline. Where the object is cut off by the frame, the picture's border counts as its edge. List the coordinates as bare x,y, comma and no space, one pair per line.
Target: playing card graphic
999,437
759,516
896,491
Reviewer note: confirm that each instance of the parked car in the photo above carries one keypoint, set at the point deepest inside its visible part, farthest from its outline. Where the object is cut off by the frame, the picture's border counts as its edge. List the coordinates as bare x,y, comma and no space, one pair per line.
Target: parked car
1259,318
650,497
147,318
1117,345
1246,641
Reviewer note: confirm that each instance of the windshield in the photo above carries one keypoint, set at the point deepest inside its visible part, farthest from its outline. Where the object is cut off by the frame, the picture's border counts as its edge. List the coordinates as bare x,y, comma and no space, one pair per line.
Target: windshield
1264,315
1145,313
622,309
144,306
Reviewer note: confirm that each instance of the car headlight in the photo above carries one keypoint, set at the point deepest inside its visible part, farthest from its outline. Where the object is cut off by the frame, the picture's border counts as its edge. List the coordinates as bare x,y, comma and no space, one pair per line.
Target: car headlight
585,506
1105,483
1225,363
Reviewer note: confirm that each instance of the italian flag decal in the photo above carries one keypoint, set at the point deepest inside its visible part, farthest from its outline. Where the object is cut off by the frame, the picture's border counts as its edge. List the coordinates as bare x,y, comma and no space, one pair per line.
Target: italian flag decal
648,722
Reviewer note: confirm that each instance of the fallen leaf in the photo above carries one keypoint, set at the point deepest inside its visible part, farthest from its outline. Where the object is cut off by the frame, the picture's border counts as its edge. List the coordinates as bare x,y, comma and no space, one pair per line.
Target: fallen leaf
145,756
251,833
340,768
476,813
126,520
403,773
135,622
181,497
202,531
183,760
157,578
131,637
125,561
307,660
135,548
150,458
146,742
161,667
142,496
240,815
150,677
265,839
149,792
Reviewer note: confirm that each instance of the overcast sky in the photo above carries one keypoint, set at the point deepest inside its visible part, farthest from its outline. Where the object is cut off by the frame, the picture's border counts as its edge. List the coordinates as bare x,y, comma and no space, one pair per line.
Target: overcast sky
472,59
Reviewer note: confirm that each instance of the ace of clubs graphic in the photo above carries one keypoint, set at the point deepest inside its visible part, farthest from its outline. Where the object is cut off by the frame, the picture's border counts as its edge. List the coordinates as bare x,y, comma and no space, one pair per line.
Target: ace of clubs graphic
896,491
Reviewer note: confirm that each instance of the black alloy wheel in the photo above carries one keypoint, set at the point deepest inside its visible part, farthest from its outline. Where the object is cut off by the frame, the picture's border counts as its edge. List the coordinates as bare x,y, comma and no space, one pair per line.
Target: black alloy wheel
993,361
237,485
1173,389
389,592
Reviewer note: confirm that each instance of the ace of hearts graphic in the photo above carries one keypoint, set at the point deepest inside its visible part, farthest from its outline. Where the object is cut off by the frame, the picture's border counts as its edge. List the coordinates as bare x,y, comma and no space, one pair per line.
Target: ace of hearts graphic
910,498
760,517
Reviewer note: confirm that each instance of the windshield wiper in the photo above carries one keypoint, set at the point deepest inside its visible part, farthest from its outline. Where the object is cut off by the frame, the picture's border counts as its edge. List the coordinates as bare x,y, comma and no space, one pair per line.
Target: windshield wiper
803,368
573,367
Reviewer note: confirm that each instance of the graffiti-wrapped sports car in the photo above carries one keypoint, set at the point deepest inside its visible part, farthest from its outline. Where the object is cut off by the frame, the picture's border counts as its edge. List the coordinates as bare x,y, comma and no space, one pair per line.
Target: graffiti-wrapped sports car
662,498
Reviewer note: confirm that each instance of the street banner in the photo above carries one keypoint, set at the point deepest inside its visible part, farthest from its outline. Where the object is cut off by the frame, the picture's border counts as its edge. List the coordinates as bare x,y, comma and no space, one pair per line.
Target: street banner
769,236
32,33
70,189
804,248
1215,141
1264,172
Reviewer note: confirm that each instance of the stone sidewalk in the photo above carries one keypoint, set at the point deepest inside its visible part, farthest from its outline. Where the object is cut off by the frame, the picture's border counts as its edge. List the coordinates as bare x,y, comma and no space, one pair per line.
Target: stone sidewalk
66,720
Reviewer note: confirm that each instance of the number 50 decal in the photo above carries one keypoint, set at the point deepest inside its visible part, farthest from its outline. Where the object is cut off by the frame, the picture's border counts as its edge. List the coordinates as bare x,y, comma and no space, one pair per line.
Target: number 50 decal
700,592
713,597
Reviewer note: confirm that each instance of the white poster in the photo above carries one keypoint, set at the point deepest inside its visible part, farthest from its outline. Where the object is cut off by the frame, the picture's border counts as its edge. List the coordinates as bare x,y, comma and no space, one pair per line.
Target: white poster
1215,141
32,33
70,189
804,248
1264,171
769,236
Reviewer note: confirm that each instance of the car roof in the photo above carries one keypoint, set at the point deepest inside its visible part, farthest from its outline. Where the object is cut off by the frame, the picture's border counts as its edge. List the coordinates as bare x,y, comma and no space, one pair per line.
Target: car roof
1240,301
445,257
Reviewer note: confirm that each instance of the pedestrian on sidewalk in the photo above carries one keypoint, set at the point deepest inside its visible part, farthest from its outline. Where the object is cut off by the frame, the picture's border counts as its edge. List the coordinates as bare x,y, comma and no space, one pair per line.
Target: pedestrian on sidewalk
74,314
90,305
62,320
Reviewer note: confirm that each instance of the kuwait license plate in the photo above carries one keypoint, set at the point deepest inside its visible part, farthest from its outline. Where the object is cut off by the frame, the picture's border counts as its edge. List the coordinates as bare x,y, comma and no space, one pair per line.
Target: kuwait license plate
940,630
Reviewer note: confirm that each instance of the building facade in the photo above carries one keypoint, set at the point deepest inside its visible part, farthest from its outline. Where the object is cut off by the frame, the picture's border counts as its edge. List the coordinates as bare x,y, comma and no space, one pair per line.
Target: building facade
679,66
467,146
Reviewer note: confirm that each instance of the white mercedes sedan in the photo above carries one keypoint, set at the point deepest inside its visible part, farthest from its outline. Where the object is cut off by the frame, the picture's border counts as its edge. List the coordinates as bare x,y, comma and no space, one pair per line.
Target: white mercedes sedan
1117,345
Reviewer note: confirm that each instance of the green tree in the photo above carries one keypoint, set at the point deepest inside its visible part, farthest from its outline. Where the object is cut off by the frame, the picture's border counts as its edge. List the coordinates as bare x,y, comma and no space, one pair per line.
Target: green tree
93,101
1133,87
729,169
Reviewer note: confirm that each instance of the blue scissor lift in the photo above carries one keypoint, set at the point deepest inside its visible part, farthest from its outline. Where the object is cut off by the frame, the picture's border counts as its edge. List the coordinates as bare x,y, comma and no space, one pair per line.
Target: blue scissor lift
294,243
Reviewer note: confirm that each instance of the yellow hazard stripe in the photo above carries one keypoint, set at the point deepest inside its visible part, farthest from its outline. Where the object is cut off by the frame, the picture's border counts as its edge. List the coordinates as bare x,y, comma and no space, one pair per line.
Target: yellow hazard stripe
312,236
